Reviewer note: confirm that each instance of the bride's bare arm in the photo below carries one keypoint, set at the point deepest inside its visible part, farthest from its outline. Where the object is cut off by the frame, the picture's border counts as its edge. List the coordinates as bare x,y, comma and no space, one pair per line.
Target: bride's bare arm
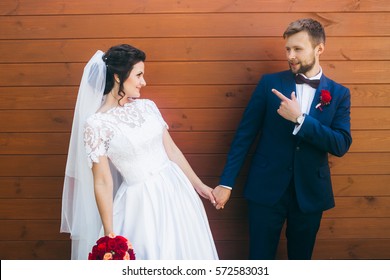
103,186
177,157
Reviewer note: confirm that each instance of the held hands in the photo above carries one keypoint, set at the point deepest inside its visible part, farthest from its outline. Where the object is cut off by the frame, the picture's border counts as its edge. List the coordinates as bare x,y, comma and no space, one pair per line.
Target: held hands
222,196
206,192
289,108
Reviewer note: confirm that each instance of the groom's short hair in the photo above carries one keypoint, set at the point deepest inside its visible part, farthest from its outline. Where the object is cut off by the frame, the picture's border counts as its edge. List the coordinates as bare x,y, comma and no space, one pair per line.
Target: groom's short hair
312,27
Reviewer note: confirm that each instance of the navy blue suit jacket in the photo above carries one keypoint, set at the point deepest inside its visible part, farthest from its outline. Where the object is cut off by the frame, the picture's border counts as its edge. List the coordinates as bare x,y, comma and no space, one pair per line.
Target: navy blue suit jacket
281,156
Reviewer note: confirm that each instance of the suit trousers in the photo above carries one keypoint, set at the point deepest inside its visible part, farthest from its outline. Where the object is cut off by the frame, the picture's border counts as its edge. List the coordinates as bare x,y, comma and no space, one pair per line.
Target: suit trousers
266,223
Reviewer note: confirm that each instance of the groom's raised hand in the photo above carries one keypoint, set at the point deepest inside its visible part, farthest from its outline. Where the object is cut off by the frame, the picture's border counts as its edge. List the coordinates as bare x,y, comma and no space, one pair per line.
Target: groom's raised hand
289,108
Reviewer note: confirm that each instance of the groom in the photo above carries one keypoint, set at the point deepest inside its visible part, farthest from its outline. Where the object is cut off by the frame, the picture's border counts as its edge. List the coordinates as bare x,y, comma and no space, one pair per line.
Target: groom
301,116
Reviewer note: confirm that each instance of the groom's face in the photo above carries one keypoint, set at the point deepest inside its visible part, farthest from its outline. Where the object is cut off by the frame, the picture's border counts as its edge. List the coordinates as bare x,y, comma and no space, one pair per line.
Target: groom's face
301,55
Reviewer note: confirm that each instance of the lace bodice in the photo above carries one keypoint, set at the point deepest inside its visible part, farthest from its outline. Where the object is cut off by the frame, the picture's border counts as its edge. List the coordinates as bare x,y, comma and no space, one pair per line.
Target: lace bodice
130,136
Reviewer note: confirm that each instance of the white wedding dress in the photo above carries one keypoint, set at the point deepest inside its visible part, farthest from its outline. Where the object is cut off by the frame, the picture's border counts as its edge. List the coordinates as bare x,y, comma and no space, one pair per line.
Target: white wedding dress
155,207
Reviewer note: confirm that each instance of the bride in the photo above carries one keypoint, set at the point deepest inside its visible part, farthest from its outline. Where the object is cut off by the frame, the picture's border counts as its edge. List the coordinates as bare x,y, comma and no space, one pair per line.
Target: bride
124,173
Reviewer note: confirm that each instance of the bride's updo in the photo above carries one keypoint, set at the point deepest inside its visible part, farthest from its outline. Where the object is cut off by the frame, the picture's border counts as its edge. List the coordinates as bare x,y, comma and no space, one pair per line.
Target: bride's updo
120,60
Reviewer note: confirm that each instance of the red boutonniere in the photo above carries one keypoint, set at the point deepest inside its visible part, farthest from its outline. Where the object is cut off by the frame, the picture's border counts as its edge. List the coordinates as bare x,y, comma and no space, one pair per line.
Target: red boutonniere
112,247
325,99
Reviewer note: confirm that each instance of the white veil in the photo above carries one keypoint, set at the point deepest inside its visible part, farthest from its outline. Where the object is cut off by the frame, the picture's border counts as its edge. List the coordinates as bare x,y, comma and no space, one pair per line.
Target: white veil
80,216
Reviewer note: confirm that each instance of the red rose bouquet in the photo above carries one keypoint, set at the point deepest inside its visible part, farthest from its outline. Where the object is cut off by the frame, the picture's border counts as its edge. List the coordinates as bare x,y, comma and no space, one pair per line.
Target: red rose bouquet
112,247
325,99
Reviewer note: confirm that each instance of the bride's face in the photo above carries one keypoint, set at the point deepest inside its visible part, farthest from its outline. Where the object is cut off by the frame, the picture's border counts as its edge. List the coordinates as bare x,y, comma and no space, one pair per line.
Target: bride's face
133,84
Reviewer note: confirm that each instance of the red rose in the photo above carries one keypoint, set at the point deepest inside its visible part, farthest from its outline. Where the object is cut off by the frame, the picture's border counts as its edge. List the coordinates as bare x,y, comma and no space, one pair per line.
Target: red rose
111,244
112,247
325,97
102,240
132,255
102,247
122,244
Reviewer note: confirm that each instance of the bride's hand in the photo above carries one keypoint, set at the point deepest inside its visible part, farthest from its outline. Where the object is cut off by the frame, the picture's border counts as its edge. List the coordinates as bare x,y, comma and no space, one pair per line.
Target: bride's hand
205,192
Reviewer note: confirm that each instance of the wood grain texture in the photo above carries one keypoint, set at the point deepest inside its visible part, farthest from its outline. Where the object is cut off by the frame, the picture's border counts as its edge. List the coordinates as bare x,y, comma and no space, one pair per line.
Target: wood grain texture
189,120
191,49
204,164
210,142
351,249
50,7
193,73
51,187
231,250
223,229
35,250
173,96
178,25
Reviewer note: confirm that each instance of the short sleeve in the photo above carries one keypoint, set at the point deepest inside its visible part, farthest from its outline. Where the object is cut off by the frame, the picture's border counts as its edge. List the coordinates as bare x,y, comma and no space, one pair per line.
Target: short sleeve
97,138
153,107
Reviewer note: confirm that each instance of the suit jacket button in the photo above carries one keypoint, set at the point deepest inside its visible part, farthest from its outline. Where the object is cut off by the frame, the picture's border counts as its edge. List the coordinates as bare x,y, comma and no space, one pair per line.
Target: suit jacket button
297,148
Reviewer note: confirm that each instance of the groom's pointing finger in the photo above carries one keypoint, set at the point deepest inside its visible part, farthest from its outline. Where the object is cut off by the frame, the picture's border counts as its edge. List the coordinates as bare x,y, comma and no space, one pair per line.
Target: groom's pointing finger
279,94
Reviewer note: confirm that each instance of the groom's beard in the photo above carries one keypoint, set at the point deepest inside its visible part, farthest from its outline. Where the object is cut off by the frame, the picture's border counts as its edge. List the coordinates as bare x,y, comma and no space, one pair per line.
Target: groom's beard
304,68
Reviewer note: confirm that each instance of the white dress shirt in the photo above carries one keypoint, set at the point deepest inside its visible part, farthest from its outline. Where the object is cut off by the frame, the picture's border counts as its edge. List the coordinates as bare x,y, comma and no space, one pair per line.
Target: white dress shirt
305,95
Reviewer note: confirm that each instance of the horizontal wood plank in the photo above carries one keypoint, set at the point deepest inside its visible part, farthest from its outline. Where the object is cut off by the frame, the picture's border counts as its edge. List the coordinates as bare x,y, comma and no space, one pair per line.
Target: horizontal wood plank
363,249
189,142
361,185
370,141
51,187
204,165
351,163
180,96
18,230
32,165
190,49
335,229
349,249
361,163
30,209
178,119
34,143
50,7
363,207
345,228
233,250
220,142
36,121
223,230
184,25
35,250
346,207
193,73
376,118
343,185
31,187
367,207
369,95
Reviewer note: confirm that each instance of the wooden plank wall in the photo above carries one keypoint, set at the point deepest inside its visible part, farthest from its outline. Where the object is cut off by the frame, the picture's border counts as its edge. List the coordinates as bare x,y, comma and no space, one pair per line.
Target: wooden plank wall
204,59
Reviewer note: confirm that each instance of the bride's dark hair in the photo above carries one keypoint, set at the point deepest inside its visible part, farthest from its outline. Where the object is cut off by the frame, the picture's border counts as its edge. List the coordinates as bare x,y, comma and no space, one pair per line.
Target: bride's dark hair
120,60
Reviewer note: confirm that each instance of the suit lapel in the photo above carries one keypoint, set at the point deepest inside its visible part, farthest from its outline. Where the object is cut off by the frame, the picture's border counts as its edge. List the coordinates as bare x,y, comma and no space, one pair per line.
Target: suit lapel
315,112
288,84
